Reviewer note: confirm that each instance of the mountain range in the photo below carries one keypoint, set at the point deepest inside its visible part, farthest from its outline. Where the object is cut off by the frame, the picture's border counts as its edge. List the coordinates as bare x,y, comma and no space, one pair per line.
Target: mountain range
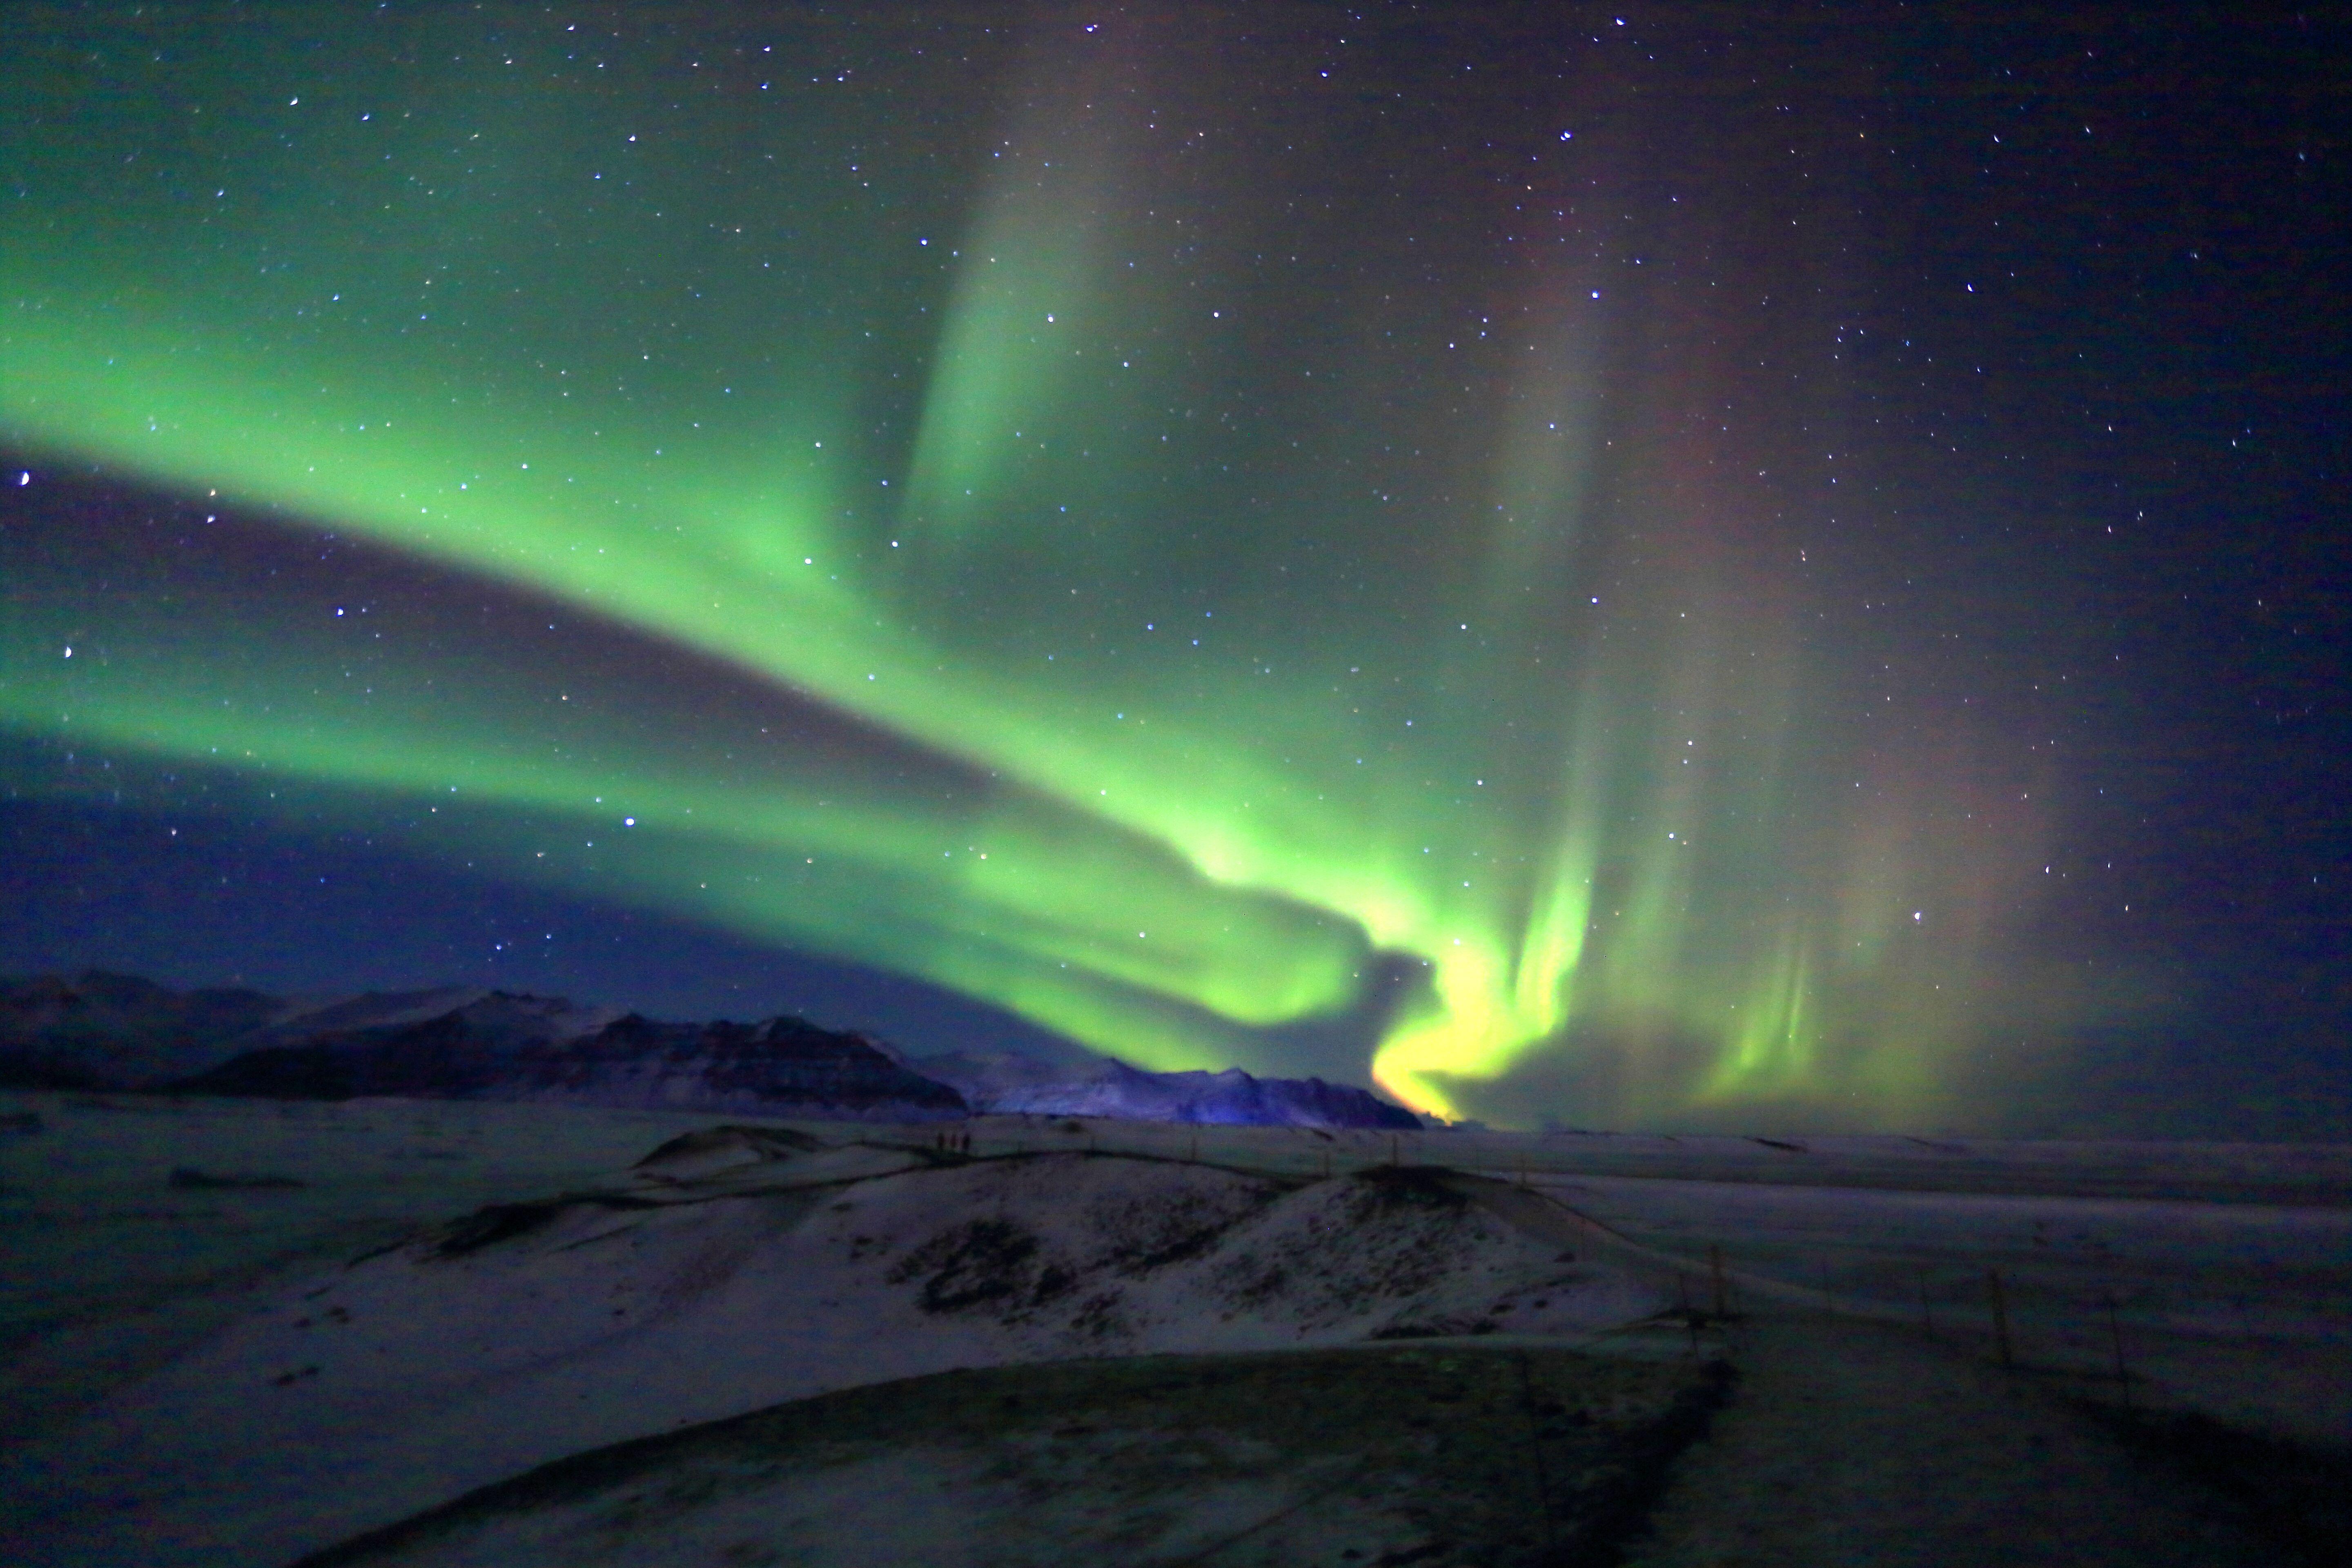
102,1031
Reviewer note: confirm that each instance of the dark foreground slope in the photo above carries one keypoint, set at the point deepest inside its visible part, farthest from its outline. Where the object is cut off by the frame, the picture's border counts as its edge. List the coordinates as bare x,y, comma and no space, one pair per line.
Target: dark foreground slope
1527,1457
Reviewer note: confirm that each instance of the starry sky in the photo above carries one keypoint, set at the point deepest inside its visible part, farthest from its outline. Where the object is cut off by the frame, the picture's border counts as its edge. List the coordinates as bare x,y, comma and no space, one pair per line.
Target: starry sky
1661,568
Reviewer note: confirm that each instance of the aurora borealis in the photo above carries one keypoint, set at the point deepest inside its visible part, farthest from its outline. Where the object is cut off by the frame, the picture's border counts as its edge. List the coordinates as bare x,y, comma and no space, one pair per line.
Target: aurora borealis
1527,549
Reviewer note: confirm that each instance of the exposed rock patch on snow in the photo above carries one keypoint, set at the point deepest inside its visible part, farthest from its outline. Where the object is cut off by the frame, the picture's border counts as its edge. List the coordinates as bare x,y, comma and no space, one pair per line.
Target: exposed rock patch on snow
708,1151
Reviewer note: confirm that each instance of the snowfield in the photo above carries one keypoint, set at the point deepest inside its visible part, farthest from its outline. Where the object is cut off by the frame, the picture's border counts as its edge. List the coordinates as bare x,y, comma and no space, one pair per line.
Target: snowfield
237,1331
704,1285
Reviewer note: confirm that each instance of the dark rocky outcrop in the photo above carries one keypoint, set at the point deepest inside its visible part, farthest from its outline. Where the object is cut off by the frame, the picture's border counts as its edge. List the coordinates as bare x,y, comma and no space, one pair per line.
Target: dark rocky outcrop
188,1176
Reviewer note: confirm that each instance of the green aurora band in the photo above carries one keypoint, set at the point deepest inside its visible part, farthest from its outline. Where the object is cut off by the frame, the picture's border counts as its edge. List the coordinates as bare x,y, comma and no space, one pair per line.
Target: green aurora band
1262,646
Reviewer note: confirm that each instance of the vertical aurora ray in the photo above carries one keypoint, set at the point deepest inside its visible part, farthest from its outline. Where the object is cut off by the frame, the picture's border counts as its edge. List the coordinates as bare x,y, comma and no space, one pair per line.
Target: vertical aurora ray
1259,643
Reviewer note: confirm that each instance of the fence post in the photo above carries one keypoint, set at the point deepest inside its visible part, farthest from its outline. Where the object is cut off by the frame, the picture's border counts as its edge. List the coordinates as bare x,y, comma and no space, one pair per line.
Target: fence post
2115,1337
1535,1451
1999,1317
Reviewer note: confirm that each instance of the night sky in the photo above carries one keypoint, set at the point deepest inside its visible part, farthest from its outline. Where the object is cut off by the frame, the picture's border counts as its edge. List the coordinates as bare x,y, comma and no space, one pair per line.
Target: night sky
1668,568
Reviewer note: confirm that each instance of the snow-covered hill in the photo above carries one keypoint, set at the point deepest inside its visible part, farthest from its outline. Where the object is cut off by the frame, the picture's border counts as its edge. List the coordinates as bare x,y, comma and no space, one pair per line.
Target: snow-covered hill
736,1268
